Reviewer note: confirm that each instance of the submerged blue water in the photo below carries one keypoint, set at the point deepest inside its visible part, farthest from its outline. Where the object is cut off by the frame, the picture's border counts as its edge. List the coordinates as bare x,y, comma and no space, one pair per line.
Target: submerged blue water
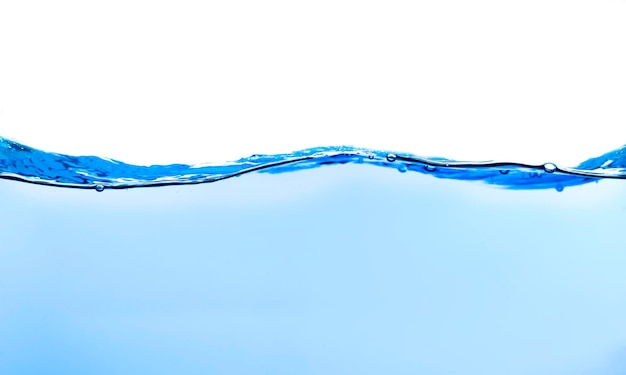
340,270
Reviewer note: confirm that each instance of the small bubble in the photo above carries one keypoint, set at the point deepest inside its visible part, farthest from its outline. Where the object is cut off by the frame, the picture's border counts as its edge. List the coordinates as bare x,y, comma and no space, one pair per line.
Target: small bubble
99,188
504,171
391,158
559,188
402,168
370,156
430,168
549,167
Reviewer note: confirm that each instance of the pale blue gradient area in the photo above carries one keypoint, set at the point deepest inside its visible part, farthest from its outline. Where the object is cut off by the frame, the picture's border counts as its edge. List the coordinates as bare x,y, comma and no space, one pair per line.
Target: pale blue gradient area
337,270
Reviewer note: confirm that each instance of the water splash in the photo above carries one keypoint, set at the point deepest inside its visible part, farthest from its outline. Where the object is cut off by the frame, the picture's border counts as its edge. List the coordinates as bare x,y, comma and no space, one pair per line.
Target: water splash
26,164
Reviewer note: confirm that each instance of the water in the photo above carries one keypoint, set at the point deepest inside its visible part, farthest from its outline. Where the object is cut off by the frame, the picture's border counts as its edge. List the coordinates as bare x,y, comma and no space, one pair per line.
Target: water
20,162
353,267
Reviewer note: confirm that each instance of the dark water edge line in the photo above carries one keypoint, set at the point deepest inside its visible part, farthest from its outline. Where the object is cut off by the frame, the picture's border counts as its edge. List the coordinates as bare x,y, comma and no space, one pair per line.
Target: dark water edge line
25,164
119,186
503,174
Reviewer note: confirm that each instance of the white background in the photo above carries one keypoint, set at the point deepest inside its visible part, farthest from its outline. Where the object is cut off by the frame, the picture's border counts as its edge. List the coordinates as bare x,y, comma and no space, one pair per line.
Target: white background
159,82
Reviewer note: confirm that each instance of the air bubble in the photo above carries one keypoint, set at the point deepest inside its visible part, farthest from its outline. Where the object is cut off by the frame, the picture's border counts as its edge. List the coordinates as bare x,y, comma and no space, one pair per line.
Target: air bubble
391,158
99,188
549,167
370,156
430,168
504,171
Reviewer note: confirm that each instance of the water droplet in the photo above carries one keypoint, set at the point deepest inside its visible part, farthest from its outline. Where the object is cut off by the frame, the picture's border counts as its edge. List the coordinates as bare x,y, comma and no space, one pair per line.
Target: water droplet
559,188
391,158
402,168
549,167
430,168
99,188
504,171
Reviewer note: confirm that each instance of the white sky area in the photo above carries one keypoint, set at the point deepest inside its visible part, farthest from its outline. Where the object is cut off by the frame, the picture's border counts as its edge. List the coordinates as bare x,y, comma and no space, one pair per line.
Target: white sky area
153,82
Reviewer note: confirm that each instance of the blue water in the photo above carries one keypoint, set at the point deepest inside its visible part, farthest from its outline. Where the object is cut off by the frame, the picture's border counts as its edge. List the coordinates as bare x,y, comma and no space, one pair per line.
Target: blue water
26,164
347,269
